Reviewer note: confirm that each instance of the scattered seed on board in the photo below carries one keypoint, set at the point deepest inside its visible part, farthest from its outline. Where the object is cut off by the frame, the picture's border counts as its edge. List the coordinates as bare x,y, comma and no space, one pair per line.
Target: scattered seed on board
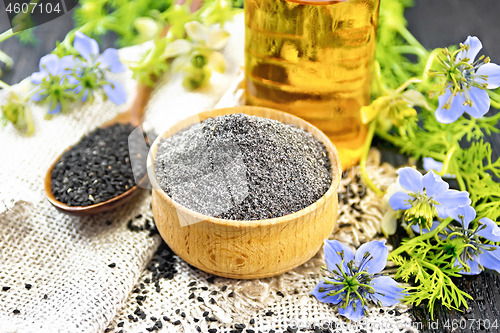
112,265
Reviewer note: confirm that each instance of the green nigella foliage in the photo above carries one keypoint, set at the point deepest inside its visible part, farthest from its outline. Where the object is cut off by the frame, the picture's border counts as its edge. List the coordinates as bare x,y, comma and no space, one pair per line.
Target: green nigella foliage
460,146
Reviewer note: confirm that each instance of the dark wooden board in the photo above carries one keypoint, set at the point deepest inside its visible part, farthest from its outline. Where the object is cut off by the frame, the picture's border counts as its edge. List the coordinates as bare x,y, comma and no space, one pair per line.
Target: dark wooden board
435,23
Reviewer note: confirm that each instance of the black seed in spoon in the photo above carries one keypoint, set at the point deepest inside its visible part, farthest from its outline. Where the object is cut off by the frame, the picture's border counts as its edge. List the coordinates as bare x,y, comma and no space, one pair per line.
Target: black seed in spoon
96,169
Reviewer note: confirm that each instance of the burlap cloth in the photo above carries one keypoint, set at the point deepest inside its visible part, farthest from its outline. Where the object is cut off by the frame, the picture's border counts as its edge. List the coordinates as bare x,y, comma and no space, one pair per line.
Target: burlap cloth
65,259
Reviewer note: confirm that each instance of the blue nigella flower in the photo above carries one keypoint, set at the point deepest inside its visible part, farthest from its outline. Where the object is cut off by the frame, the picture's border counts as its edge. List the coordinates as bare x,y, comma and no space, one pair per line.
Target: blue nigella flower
90,73
52,82
466,241
355,279
425,197
465,82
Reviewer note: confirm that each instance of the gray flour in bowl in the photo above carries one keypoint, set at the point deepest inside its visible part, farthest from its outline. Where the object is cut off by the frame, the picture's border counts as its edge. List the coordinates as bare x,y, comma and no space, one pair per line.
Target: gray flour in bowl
241,167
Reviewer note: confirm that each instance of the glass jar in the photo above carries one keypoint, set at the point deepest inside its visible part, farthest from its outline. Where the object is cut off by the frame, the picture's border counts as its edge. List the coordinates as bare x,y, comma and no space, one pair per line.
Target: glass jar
314,59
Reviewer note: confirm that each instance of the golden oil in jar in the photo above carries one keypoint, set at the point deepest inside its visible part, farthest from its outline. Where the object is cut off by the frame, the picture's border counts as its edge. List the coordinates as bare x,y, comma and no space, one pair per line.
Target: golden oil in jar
313,59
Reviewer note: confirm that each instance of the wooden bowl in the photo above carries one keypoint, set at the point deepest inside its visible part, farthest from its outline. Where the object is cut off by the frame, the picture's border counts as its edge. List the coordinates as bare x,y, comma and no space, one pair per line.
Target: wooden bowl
247,249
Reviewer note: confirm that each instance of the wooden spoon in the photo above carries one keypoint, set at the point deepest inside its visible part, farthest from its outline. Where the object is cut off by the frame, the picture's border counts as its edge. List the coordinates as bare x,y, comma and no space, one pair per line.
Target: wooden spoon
133,116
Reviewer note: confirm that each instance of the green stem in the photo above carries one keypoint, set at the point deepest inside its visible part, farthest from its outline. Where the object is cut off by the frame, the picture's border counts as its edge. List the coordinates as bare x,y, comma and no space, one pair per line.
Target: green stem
364,157
422,51
4,85
7,34
447,160
421,238
460,180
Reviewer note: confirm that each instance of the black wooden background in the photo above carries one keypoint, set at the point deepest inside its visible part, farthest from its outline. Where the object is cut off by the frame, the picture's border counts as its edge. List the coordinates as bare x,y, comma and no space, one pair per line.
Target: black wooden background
435,23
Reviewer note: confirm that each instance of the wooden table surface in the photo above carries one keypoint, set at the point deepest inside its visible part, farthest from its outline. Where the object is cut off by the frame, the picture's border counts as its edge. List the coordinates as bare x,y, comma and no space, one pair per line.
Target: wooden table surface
435,24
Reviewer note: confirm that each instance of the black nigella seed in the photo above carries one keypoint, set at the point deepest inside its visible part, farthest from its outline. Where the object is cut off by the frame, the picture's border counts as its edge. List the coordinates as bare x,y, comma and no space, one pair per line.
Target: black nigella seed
211,279
231,294
154,318
235,331
279,293
252,321
287,168
130,317
212,330
191,296
96,169
213,292
192,289
205,313
271,331
112,265
28,286
147,280
136,290
159,324
45,296
166,318
177,322
120,331
137,311
138,216
142,286
204,288
108,223
224,288
250,331
191,283
291,330
108,330
239,326
120,324
269,313
212,301
177,311
212,319
140,298
5,288
158,289
16,311
200,299
183,315
198,328
196,320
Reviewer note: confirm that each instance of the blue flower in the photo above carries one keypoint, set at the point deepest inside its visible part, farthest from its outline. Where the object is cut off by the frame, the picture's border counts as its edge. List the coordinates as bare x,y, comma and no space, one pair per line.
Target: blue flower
465,82
355,279
465,241
425,197
53,83
90,73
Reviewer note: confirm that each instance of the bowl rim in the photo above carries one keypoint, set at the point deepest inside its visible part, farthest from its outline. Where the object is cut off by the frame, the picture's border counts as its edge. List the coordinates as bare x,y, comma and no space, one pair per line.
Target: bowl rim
319,135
